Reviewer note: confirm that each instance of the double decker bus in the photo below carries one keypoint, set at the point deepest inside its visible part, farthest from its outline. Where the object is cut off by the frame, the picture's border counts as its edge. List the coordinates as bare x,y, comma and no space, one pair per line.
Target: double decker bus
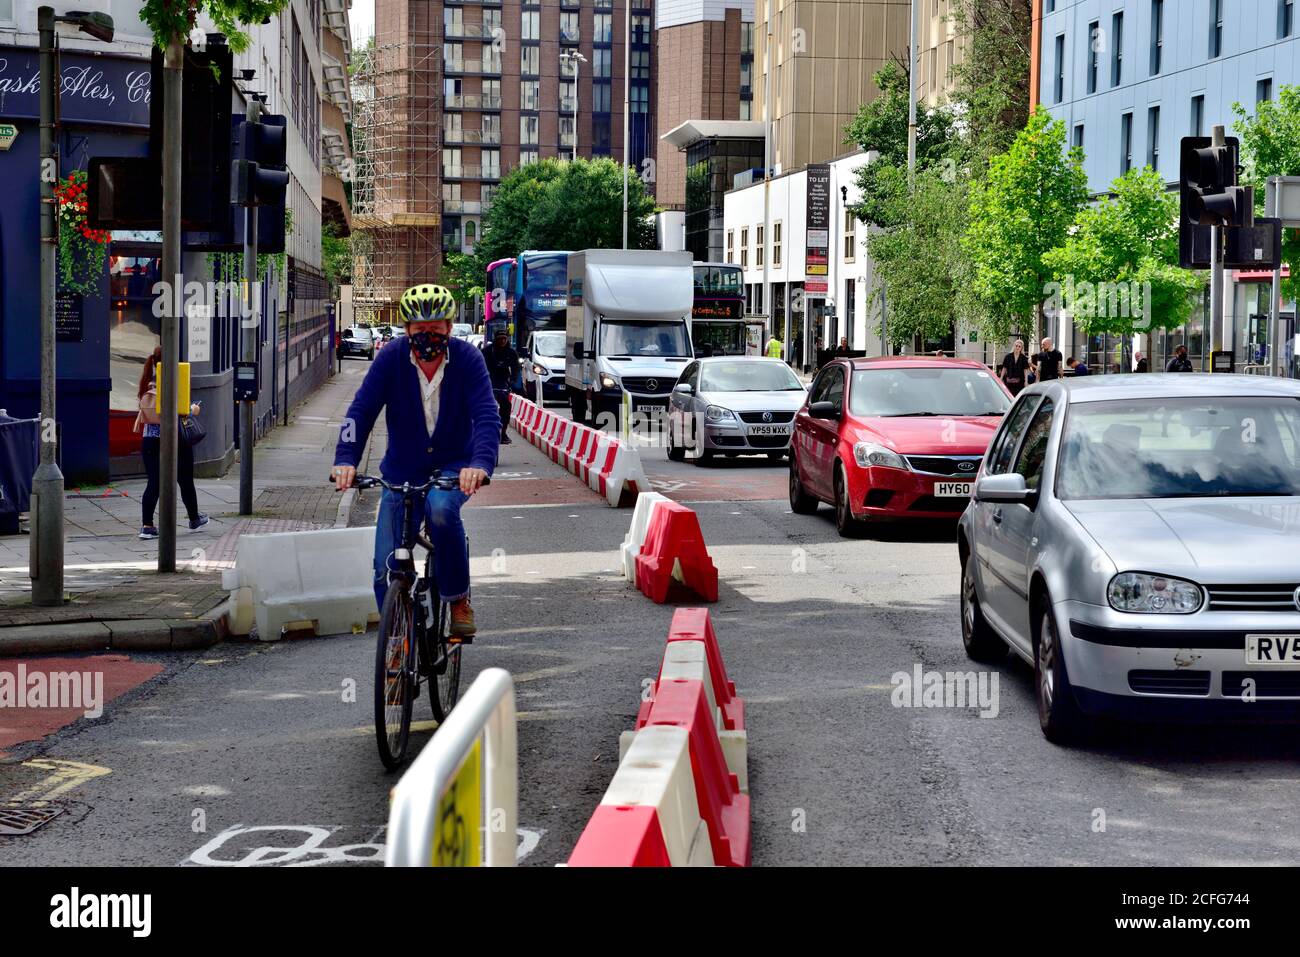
718,324
499,296
527,293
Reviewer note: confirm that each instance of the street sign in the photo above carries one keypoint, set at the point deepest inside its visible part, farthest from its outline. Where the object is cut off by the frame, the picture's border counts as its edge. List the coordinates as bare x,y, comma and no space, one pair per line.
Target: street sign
1253,247
198,325
8,133
1222,362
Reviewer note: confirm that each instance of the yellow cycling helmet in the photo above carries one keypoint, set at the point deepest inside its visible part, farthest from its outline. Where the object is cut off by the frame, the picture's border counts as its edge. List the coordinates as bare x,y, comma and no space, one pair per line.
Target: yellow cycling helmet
427,303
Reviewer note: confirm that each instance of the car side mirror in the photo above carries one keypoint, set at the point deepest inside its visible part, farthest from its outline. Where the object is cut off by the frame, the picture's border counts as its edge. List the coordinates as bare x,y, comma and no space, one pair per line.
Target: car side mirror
824,410
685,388
1008,488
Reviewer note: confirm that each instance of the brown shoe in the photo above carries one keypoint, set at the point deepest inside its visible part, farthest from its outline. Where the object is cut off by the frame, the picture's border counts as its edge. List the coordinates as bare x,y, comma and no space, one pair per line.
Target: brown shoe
462,618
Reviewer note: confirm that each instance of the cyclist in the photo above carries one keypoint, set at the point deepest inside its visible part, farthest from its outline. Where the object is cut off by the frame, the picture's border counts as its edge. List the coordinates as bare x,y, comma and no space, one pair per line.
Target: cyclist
442,420
502,364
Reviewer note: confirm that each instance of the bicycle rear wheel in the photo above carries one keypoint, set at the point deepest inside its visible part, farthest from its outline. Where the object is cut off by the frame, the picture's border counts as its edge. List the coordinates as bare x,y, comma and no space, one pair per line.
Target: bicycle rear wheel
444,677
394,695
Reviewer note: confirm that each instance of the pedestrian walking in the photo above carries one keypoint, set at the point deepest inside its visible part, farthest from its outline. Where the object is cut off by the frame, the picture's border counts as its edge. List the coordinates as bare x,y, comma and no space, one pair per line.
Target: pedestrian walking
1047,364
774,348
149,422
1014,369
1179,362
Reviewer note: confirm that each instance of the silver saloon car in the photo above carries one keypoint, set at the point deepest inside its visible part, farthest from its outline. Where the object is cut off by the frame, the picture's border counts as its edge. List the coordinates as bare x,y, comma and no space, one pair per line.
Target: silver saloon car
1136,539
733,405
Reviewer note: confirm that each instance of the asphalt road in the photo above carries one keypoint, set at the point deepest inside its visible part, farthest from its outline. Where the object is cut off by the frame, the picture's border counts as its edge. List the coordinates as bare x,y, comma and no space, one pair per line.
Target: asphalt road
257,754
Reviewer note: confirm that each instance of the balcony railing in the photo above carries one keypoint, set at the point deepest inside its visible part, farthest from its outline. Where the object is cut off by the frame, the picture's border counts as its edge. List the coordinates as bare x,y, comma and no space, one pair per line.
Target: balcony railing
462,171
468,31
568,104
472,101
566,141
476,67
478,3
463,206
473,137
570,36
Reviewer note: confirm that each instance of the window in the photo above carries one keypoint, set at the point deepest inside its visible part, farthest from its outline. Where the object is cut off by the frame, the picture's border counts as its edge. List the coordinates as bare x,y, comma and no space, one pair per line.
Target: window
1157,34
1153,137
491,164
600,62
602,28
569,29
1263,90
1117,50
746,109
566,132
452,56
452,21
1095,43
759,246
746,75
776,243
527,156
491,22
1001,452
451,161
528,130
640,95
568,96
1033,451
850,236
1058,90
1126,142
1285,17
731,245
744,249
491,127
451,127
529,25
530,61
529,94
1198,114
1216,28
640,28
640,64
600,97
1077,140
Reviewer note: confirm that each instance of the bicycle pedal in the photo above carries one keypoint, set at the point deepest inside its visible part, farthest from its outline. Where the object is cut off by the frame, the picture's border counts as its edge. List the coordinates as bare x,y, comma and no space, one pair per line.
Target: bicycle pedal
460,639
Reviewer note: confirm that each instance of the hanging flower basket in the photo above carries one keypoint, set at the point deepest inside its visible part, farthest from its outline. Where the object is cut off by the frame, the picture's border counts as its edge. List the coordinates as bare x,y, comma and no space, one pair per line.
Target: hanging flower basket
82,250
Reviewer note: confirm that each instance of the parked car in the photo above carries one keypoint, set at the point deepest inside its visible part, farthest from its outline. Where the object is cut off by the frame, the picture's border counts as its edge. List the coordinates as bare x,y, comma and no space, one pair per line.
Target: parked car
733,405
461,330
1133,538
357,341
893,438
544,362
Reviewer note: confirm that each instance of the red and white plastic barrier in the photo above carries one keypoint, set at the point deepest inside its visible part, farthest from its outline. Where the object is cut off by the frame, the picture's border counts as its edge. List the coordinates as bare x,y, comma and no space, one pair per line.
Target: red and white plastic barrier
677,799
666,544
610,467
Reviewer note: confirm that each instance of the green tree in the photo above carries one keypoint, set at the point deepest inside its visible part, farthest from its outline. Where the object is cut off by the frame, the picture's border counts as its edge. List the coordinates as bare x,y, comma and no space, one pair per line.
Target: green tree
335,255
991,84
1117,270
464,275
173,19
505,226
1270,146
1019,212
583,209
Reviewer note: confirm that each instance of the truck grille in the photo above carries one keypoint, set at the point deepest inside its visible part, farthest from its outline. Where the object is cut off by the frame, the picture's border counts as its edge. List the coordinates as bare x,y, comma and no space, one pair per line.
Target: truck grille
945,464
1252,598
649,385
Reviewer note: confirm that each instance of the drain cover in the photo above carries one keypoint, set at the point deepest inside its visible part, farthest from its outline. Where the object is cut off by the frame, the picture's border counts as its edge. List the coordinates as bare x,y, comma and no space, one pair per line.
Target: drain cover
17,820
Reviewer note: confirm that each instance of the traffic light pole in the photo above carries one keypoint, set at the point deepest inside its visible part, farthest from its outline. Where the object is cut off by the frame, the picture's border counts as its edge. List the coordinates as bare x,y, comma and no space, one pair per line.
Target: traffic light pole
173,65
250,326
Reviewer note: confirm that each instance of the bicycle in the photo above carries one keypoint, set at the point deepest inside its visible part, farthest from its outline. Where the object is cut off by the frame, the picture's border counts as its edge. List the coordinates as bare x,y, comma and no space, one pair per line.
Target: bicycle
414,646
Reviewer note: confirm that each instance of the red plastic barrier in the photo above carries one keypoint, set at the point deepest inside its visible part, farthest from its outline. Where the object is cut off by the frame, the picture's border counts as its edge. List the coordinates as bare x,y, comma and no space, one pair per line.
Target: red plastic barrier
674,538
621,836
724,809
694,624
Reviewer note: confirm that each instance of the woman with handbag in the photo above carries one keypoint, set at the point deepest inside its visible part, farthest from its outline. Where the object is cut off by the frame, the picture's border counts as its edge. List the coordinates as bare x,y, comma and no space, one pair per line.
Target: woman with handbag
189,432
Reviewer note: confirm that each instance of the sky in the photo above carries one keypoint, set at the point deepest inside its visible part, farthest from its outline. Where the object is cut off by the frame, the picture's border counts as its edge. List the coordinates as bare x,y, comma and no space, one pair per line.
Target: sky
363,20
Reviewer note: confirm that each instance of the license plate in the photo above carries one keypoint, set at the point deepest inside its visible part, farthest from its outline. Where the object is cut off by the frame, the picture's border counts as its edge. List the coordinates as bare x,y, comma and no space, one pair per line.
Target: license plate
952,489
769,430
1273,650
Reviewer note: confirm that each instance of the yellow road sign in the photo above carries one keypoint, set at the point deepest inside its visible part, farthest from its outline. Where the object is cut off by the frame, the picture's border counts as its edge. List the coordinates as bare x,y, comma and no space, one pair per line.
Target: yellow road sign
459,839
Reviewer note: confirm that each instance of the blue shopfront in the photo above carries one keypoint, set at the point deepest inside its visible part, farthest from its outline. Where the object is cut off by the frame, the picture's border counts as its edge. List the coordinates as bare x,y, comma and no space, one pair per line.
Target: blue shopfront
102,336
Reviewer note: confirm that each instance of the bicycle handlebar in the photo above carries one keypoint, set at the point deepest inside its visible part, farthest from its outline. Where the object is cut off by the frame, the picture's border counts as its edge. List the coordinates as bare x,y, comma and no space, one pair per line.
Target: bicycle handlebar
446,483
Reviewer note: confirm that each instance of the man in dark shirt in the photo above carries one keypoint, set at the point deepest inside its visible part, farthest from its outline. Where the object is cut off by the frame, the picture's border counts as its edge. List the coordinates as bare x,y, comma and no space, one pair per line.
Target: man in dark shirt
1077,367
1179,361
502,363
1047,364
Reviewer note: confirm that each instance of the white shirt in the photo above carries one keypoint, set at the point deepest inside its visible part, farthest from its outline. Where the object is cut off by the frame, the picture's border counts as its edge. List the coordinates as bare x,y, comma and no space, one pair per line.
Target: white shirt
430,389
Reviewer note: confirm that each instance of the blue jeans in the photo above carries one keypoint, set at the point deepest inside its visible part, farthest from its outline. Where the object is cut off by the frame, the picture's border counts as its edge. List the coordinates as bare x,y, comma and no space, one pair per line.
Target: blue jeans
445,530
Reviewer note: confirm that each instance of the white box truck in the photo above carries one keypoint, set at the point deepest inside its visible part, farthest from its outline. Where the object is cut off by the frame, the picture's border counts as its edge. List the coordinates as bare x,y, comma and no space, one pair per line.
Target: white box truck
628,328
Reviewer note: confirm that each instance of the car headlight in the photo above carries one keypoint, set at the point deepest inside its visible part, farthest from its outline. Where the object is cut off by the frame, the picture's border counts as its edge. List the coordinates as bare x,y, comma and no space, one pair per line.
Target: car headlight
871,455
607,381
1153,594
716,413
539,370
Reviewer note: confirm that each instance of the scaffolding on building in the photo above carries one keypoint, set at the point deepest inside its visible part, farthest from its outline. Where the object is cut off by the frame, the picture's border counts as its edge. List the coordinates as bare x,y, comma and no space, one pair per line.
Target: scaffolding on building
396,190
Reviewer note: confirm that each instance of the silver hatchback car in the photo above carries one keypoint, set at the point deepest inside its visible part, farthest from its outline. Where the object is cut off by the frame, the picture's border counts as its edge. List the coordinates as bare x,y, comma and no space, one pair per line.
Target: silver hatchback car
1136,539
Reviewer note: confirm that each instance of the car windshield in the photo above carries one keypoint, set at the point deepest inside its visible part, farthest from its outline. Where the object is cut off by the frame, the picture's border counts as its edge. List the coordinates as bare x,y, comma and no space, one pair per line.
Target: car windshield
623,337
920,391
551,345
1180,448
752,376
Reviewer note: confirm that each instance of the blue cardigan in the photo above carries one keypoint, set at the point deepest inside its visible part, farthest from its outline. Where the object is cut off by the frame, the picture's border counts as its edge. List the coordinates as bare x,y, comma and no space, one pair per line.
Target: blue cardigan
468,430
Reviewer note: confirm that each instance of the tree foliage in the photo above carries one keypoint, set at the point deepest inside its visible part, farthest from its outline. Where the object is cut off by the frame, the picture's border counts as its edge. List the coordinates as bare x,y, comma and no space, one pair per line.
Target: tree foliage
1270,146
335,255
1021,210
991,83
172,19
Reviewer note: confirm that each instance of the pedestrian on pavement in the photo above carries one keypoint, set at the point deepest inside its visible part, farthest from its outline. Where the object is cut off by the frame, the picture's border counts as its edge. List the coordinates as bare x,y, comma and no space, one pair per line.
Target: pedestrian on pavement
502,364
442,420
842,351
1047,364
1014,369
1141,365
1179,362
1077,367
774,348
149,422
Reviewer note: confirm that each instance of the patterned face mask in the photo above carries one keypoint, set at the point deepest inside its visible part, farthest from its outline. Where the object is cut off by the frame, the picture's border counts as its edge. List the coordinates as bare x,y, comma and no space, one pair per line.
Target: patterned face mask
428,345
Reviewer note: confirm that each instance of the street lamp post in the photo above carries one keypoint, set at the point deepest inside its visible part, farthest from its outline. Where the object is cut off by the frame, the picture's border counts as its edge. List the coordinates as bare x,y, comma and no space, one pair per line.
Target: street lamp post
627,102
46,563
576,58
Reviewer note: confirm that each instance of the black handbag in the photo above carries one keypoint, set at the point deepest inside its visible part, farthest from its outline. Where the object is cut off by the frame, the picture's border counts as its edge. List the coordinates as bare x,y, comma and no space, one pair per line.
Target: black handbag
192,430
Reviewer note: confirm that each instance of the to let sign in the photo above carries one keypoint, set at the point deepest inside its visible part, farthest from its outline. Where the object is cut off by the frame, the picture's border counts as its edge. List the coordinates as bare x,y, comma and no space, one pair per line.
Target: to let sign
818,221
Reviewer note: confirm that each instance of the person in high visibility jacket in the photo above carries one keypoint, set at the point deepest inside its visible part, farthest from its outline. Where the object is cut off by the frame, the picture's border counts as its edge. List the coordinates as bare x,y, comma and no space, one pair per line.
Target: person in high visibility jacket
774,348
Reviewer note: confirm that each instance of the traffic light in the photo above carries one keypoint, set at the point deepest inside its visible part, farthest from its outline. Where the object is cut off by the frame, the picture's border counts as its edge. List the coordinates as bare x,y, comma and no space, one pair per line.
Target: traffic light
1208,190
259,172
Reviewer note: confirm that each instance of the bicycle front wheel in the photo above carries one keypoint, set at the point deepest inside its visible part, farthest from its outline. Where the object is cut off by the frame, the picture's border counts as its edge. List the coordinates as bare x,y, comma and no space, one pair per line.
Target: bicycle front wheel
394,694
444,678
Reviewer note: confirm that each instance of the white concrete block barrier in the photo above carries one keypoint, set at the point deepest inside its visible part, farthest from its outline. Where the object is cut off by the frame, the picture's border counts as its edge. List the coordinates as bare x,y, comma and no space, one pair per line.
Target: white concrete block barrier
641,514
319,580
457,806
609,466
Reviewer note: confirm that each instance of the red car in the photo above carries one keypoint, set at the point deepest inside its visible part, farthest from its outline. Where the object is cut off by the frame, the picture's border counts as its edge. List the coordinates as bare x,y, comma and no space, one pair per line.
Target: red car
893,437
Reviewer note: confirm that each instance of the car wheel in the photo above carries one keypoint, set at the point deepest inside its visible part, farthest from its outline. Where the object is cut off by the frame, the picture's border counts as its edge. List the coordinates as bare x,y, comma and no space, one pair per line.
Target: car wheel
801,503
844,520
676,453
1058,712
982,643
